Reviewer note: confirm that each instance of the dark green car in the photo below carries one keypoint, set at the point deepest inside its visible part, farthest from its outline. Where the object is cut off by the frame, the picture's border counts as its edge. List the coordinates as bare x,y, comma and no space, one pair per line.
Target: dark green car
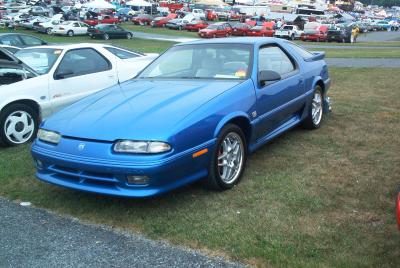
107,31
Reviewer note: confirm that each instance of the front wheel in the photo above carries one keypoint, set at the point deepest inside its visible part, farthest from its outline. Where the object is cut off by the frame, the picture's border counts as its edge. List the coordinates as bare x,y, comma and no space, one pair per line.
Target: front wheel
228,162
315,111
128,36
18,123
292,37
106,36
49,30
70,33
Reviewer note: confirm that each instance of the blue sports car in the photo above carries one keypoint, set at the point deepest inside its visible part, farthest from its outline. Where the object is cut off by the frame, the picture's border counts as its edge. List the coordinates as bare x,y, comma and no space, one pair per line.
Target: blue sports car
196,112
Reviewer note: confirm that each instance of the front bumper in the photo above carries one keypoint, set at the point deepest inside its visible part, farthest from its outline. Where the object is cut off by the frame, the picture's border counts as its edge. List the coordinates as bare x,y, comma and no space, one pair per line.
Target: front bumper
98,169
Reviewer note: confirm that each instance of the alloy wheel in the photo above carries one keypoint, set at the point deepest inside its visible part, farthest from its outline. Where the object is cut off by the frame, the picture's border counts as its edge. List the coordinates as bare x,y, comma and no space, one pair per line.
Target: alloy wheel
316,110
230,158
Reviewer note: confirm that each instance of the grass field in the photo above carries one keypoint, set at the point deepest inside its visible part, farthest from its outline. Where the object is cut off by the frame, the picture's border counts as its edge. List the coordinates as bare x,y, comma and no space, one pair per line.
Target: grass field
310,198
157,46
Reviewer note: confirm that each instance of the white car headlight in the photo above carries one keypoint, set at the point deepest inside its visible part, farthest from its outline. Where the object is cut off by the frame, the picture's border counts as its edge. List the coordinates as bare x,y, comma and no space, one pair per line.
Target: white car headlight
141,147
48,136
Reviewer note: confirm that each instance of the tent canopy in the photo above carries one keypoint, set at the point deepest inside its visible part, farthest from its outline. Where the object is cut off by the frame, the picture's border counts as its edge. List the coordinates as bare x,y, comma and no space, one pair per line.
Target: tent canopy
138,3
98,4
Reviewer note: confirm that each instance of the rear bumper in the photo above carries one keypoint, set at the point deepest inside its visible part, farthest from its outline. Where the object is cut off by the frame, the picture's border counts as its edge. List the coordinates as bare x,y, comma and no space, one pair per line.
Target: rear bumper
107,172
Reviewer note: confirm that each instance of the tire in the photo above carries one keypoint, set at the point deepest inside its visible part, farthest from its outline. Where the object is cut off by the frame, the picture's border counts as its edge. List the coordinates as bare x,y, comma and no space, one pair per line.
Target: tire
128,36
227,35
18,124
318,39
180,28
49,30
317,107
214,36
70,33
292,37
106,36
219,164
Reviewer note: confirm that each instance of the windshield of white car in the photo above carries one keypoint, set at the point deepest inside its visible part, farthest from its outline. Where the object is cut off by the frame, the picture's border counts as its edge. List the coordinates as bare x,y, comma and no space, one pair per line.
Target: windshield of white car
203,61
40,60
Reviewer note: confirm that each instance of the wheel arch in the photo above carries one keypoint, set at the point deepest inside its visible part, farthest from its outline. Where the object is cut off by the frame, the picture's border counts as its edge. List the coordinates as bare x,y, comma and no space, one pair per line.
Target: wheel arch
241,120
29,102
319,82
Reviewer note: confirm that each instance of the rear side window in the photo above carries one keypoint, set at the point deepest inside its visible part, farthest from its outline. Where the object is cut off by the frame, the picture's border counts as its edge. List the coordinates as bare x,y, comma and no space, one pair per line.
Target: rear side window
305,54
274,59
82,62
11,40
31,41
122,54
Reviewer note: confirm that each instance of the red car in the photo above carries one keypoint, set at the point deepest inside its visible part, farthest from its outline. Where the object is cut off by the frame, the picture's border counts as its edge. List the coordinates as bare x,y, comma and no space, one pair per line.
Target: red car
211,15
162,21
241,29
216,30
316,35
105,20
261,31
142,19
196,25
398,209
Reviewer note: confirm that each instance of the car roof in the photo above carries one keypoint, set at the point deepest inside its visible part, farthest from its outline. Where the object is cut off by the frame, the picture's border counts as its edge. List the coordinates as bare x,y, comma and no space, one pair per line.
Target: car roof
72,46
237,40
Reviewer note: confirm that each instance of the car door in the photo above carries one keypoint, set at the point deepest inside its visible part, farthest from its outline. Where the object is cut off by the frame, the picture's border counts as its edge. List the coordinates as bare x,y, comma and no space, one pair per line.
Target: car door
280,101
119,31
83,28
79,73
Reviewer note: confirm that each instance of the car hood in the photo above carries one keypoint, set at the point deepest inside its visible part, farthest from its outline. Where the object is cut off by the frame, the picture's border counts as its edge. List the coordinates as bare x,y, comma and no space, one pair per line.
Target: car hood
137,109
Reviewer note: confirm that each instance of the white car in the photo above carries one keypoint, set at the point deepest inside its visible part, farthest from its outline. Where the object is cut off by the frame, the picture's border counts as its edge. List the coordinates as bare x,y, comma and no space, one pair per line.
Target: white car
288,31
70,28
67,73
47,26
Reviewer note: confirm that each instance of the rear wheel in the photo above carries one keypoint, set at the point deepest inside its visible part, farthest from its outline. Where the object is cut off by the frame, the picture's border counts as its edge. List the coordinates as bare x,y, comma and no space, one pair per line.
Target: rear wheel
228,162
214,35
49,30
70,33
292,37
106,36
128,36
18,124
316,110
227,35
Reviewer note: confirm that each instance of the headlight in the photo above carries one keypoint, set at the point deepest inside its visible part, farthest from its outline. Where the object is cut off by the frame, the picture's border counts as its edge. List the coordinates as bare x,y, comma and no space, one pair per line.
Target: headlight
48,136
141,147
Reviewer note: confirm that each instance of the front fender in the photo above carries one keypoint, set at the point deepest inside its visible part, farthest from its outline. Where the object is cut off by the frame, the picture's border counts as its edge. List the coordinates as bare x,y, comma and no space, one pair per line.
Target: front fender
230,117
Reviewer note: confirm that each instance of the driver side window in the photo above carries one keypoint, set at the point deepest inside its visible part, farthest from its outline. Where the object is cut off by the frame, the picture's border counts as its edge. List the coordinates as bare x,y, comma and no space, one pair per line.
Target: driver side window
272,58
82,62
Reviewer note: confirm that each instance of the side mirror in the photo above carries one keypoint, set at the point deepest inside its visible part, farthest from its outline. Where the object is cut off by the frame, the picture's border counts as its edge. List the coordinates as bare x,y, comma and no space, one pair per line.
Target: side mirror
63,74
268,76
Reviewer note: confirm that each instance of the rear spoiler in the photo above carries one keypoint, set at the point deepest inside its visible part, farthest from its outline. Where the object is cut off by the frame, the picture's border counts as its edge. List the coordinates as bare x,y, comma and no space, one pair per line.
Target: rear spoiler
317,55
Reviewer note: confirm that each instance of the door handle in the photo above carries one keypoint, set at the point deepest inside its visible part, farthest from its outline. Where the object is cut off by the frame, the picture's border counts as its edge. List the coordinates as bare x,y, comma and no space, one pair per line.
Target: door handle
300,81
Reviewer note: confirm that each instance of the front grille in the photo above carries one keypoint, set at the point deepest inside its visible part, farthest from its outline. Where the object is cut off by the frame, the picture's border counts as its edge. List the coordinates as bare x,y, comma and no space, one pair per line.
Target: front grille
84,177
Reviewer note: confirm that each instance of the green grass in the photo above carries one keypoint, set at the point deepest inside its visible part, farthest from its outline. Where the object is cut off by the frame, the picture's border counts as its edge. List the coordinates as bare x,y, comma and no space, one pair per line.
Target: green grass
308,199
359,53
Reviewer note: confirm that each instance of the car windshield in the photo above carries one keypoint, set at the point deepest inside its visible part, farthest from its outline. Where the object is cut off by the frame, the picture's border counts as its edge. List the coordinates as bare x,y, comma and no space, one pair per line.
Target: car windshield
39,59
203,61
213,27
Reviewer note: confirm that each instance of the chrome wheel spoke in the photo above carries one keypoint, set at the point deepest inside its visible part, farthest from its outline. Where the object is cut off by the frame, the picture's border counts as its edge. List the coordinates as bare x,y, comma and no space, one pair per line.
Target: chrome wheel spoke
230,159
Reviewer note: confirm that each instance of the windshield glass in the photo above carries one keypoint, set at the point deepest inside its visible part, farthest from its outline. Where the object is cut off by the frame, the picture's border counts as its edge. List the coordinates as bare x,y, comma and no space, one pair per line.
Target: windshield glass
212,27
39,59
208,61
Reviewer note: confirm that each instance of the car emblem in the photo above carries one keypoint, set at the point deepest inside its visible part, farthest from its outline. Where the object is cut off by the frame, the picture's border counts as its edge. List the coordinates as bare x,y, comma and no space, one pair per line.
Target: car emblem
81,146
